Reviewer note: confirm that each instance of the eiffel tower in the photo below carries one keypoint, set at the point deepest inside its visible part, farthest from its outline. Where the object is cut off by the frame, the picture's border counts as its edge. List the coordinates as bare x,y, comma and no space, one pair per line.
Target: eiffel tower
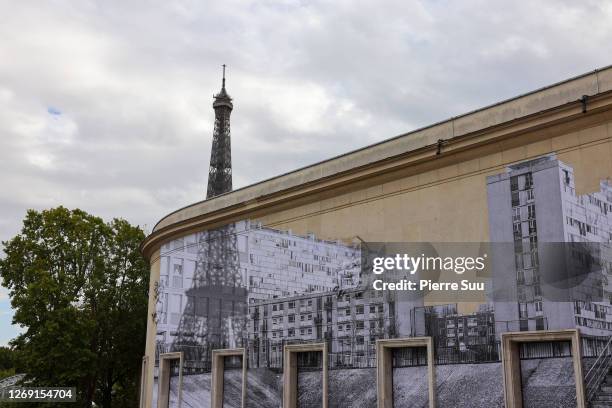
216,308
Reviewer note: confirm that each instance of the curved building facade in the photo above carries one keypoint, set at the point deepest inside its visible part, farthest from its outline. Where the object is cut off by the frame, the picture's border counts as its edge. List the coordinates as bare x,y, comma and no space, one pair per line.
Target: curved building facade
281,262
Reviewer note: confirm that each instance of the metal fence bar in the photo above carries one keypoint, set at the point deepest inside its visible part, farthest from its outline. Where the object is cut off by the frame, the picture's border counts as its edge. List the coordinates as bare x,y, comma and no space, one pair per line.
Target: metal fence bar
344,353
599,370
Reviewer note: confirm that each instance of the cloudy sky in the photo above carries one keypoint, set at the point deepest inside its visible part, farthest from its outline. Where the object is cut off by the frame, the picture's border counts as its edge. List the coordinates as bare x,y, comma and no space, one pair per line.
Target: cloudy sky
106,105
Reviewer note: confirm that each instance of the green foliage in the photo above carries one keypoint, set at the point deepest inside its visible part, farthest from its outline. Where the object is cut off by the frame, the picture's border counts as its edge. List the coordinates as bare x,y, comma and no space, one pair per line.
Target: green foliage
9,372
7,362
79,289
7,358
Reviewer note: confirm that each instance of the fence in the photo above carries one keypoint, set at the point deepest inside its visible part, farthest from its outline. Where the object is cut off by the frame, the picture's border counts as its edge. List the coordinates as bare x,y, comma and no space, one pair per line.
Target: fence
347,353
469,354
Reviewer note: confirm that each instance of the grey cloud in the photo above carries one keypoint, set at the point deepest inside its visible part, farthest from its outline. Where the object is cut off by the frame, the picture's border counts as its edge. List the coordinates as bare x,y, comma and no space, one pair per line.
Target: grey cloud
310,80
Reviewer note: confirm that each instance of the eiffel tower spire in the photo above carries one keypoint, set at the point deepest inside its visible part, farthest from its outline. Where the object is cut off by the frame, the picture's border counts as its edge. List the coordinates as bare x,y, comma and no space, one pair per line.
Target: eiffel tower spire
220,171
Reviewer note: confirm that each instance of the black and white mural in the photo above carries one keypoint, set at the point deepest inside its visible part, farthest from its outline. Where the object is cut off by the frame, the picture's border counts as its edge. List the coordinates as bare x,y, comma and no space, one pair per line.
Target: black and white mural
247,285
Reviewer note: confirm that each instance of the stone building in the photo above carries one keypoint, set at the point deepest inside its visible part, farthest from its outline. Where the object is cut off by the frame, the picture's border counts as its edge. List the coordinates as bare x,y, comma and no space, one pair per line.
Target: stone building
426,185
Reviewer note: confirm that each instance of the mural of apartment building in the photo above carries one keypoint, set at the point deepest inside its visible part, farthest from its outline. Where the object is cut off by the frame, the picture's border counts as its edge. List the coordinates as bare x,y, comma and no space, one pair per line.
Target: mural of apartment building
534,206
282,264
464,330
350,321
458,337
272,263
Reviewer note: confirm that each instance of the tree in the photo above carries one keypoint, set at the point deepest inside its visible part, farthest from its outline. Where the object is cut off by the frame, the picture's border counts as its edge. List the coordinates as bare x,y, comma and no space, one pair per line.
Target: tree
79,287
7,362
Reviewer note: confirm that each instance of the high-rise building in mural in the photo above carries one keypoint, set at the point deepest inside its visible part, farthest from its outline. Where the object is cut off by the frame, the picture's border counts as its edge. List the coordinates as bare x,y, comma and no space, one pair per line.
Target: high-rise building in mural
271,263
534,205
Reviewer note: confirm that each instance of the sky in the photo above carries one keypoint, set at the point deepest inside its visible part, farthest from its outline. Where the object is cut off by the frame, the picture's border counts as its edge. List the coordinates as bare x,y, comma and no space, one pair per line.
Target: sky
107,105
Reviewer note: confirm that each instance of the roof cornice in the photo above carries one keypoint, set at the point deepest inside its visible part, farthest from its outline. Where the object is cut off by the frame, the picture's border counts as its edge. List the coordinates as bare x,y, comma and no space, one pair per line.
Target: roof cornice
546,107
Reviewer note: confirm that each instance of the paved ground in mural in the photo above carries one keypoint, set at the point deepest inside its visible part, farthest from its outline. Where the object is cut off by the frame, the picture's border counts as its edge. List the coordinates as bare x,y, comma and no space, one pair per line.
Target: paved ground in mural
548,383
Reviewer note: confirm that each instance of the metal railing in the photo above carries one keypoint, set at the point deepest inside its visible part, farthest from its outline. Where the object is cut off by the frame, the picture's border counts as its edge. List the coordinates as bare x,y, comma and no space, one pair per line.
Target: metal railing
545,349
468,354
348,352
598,371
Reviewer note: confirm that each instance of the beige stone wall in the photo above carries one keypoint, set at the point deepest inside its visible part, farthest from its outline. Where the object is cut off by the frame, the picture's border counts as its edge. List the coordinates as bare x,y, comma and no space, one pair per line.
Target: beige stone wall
558,102
151,331
448,203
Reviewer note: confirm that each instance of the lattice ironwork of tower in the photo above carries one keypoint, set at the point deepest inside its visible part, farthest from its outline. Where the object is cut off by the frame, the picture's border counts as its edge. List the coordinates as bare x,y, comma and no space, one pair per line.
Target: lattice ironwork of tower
216,309
220,170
